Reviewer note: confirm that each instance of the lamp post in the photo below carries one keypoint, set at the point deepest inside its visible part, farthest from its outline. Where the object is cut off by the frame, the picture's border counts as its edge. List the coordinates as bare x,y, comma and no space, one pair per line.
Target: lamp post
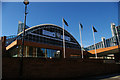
26,2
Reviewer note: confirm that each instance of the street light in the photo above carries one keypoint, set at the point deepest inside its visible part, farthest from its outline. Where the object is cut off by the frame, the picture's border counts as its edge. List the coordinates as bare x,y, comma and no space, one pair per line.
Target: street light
26,2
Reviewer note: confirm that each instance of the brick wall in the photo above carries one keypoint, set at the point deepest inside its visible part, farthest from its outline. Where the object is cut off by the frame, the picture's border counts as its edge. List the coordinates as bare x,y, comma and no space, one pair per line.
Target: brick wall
56,68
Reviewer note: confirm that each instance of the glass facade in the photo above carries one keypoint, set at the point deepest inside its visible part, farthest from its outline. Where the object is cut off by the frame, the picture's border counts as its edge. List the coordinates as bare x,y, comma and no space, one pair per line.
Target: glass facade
20,27
113,41
10,39
51,35
30,51
48,34
103,44
45,34
118,33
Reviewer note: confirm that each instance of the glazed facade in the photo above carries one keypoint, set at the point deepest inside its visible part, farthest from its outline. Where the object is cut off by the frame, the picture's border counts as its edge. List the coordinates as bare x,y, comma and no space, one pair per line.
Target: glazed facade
45,40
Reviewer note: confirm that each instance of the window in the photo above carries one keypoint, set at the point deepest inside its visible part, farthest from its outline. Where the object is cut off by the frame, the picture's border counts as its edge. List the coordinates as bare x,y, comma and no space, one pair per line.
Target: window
30,51
40,52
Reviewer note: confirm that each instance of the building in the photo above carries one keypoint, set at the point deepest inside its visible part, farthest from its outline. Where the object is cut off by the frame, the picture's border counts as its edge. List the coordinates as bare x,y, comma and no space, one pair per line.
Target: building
45,41
20,27
113,30
108,43
113,41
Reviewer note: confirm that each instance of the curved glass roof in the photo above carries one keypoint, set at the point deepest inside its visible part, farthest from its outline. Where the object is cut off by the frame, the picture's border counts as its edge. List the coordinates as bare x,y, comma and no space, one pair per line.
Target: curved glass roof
50,34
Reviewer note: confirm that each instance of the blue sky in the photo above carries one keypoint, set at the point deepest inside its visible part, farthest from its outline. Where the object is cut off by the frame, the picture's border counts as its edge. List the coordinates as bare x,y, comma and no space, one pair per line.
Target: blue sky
98,14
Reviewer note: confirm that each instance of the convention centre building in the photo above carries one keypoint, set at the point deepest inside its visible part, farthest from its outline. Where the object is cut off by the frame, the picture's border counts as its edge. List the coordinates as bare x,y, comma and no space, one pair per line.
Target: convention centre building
45,41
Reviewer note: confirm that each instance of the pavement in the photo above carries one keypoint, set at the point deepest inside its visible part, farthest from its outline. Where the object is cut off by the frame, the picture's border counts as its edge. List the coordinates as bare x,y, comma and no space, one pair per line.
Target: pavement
106,77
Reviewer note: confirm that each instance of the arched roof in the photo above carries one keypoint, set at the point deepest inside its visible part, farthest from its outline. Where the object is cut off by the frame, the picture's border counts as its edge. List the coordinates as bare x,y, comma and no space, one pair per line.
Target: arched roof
42,25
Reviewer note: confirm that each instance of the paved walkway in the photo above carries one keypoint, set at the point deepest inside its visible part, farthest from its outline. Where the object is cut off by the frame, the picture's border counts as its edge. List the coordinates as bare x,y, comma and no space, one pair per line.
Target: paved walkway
107,77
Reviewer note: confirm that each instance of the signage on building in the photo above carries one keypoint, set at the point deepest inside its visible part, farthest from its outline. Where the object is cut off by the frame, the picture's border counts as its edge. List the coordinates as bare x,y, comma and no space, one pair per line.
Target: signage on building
53,34
66,38
58,35
48,33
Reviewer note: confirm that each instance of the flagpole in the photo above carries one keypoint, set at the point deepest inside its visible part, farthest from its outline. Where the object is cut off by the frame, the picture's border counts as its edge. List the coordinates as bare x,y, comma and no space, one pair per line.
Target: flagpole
94,43
81,41
63,40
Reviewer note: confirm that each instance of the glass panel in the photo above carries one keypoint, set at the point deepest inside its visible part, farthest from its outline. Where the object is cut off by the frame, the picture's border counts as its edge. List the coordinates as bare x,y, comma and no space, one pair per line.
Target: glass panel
40,52
30,51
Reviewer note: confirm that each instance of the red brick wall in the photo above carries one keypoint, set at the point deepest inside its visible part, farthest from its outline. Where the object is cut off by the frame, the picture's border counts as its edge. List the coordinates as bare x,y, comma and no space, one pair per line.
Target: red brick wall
56,68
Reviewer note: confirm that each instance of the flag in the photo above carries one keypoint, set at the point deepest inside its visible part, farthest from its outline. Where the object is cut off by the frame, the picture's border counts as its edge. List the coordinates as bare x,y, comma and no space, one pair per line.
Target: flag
65,22
81,26
94,29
